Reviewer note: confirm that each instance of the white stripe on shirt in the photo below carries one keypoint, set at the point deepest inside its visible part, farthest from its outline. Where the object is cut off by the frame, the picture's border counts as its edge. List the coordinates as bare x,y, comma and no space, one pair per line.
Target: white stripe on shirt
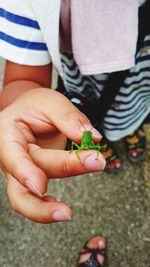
21,40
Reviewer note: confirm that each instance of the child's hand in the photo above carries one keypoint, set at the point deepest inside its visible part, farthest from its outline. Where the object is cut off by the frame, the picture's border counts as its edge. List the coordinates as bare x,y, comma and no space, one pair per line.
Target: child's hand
39,113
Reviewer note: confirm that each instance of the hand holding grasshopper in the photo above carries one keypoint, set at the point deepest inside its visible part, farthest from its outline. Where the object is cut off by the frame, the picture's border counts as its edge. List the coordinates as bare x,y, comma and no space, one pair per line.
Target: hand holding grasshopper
87,143
42,114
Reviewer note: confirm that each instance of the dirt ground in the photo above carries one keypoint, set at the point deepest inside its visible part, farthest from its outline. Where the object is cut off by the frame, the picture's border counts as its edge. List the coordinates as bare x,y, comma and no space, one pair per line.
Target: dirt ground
116,206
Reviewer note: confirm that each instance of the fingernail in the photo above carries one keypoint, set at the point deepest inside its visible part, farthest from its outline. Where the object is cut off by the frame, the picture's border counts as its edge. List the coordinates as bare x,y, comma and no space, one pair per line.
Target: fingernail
61,215
33,188
94,162
90,128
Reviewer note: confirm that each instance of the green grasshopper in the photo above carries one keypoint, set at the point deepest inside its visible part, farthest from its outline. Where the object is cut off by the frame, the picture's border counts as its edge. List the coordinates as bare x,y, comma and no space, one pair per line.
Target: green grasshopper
87,143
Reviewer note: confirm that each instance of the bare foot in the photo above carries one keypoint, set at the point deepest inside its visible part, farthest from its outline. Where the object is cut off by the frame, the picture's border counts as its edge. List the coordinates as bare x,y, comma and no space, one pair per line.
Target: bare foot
94,253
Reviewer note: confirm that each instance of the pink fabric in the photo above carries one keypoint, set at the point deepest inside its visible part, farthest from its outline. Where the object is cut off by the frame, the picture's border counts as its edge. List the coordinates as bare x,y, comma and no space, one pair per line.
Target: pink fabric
65,27
103,34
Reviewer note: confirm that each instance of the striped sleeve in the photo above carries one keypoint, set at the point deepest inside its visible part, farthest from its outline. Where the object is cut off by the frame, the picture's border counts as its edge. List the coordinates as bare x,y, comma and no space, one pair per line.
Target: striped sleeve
21,39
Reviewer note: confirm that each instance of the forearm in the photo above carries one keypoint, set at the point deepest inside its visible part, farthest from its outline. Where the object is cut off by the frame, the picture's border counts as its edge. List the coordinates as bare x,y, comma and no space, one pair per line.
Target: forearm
15,89
19,79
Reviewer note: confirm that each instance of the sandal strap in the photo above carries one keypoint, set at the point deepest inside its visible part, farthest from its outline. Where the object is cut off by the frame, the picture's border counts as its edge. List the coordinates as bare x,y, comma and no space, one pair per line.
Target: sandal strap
92,261
93,251
111,158
138,142
138,146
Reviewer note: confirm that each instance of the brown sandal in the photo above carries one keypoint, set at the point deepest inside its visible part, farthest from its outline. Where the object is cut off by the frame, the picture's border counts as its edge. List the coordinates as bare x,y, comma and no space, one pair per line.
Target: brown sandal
135,144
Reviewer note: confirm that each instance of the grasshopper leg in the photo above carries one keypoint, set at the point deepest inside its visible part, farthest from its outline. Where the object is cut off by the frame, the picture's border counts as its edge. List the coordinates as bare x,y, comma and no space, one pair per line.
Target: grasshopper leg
77,153
73,144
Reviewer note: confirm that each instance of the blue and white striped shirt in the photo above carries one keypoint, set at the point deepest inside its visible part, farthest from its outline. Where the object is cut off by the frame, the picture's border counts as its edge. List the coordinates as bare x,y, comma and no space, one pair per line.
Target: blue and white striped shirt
21,39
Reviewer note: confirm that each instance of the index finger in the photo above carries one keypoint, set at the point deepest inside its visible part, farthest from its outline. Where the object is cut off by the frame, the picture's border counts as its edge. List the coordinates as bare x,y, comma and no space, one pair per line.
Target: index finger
55,110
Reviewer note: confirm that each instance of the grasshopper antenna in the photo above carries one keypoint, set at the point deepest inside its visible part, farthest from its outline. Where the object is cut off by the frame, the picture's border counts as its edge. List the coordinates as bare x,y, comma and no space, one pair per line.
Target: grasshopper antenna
93,126
82,124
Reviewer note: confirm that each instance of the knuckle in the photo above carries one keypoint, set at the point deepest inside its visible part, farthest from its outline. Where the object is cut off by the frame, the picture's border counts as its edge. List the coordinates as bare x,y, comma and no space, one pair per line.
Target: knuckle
67,167
75,116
